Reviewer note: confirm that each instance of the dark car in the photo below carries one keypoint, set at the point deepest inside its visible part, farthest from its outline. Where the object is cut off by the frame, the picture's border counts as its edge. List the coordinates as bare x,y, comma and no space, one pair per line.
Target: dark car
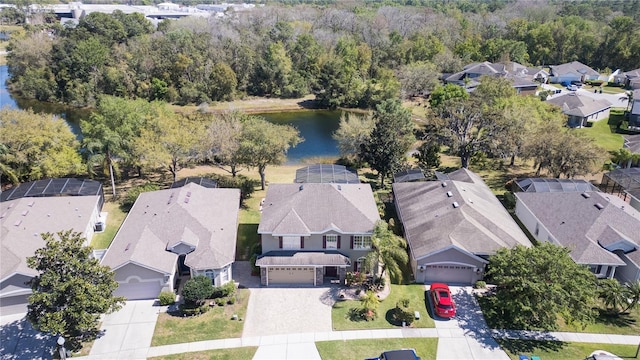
443,304
404,354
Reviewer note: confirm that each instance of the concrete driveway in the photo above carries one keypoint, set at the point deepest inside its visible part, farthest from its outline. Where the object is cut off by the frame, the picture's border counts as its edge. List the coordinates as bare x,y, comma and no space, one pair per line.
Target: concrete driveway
127,334
280,310
19,341
466,336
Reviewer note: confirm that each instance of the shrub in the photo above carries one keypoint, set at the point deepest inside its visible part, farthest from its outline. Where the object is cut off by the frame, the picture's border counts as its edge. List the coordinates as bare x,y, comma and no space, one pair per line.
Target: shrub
132,194
402,313
197,289
167,298
481,284
220,301
193,310
255,270
225,290
246,185
231,300
355,278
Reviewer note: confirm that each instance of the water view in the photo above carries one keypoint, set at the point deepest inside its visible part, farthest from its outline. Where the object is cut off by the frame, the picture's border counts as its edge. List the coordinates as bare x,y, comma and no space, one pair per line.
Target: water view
316,127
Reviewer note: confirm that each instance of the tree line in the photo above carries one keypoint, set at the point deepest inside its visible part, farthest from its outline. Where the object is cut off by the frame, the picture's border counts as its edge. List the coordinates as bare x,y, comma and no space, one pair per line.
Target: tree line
346,54
124,136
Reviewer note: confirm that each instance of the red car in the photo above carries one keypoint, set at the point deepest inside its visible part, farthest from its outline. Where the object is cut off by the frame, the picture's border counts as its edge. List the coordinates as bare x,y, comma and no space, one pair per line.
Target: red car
443,304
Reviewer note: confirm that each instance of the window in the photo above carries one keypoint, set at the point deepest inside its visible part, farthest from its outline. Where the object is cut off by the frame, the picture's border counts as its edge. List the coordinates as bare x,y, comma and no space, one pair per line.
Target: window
362,242
332,241
291,242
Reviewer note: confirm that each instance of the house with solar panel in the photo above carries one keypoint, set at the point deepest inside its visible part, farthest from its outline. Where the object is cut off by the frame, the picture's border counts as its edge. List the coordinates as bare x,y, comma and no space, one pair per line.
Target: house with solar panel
31,209
316,229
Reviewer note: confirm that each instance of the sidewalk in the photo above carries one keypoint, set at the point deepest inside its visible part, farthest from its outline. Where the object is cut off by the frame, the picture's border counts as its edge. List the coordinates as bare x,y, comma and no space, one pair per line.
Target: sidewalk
293,341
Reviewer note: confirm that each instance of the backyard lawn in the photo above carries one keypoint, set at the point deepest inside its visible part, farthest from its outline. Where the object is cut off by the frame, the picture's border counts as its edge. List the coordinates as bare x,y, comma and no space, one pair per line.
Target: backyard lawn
414,292
114,220
558,350
370,348
604,132
214,324
222,354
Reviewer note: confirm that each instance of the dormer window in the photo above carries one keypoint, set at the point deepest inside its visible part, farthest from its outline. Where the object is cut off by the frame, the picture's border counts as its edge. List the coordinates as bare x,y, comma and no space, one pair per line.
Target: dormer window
332,241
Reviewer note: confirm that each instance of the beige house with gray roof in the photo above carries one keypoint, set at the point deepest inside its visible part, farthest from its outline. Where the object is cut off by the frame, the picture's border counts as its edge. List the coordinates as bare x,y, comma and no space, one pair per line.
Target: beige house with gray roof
315,231
189,230
601,230
22,222
580,109
452,226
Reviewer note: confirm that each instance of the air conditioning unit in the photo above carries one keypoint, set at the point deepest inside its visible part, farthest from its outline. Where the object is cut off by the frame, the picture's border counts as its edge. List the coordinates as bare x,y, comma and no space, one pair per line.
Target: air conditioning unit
99,227
422,268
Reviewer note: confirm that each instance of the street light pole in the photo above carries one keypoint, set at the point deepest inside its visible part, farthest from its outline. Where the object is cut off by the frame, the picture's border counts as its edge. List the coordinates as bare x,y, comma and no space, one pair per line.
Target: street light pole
61,349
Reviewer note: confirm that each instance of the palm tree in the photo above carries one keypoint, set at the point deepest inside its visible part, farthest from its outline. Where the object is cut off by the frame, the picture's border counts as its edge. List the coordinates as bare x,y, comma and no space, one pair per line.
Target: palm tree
633,293
614,296
370,303
388,250
628,98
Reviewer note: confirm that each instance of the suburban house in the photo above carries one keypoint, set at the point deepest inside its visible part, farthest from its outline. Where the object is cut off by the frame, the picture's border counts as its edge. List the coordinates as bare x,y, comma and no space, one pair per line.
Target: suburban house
189,230
600,230
34,208
573,71
580,109
452,226
314,231
519,75
629,79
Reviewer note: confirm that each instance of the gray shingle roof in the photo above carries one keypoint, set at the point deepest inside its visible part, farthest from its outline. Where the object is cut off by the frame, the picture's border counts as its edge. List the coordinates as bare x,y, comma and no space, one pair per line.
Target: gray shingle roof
575,222
24,219
298,257
574,67
479,224
579,105
159,219
304,209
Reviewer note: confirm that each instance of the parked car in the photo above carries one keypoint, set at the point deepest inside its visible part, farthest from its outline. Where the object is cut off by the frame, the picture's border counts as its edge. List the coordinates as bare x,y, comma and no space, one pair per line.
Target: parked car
403,354
443,304
572,87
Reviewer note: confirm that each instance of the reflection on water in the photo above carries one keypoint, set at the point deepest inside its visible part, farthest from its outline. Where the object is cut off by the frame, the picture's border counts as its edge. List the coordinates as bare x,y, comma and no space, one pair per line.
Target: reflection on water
316,127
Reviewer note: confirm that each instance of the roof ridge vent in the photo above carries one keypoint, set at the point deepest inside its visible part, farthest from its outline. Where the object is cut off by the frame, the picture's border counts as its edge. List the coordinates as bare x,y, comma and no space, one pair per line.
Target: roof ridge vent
599,206
585,195
449,194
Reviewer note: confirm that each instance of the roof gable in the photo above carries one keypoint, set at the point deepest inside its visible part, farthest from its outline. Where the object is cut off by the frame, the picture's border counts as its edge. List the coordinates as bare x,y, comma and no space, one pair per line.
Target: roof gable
314,207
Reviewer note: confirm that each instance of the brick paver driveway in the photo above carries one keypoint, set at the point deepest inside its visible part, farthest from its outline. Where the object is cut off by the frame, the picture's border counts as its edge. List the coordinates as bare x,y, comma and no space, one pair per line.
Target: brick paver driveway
280,310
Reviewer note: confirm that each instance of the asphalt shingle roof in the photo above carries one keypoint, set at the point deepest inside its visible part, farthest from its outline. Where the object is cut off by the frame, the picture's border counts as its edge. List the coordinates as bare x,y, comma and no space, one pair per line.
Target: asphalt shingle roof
574,67
312,208
24,219
575,221
432,222
160,219
579,105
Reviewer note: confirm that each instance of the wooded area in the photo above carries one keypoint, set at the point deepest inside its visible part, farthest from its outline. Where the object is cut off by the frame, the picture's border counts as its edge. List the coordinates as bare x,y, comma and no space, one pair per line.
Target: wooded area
349,54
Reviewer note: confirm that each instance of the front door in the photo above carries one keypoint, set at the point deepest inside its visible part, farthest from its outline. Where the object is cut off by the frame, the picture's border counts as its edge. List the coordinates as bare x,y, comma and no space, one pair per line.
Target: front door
331,271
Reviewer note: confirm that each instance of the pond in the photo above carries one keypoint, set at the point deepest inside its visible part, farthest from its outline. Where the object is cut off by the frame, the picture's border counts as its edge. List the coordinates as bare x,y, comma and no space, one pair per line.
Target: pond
316,127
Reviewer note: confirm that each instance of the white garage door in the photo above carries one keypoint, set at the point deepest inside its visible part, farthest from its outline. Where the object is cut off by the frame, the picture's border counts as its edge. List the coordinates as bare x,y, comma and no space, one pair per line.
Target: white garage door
139,290
291,275
448,274
14,305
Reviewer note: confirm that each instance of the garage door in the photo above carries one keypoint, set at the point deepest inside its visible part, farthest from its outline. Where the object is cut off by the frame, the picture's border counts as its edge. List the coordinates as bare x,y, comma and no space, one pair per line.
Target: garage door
139,290
291,275
449,274
14,305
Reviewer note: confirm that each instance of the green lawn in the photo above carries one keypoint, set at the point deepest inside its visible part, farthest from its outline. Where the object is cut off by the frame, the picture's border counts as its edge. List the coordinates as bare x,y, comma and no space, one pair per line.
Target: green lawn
604,132
222,354
215,324
249,218
114,220
558,350
414,292
628,324
369,348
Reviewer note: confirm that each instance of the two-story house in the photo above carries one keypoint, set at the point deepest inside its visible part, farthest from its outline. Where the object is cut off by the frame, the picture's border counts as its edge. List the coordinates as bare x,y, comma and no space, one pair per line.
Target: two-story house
314,231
